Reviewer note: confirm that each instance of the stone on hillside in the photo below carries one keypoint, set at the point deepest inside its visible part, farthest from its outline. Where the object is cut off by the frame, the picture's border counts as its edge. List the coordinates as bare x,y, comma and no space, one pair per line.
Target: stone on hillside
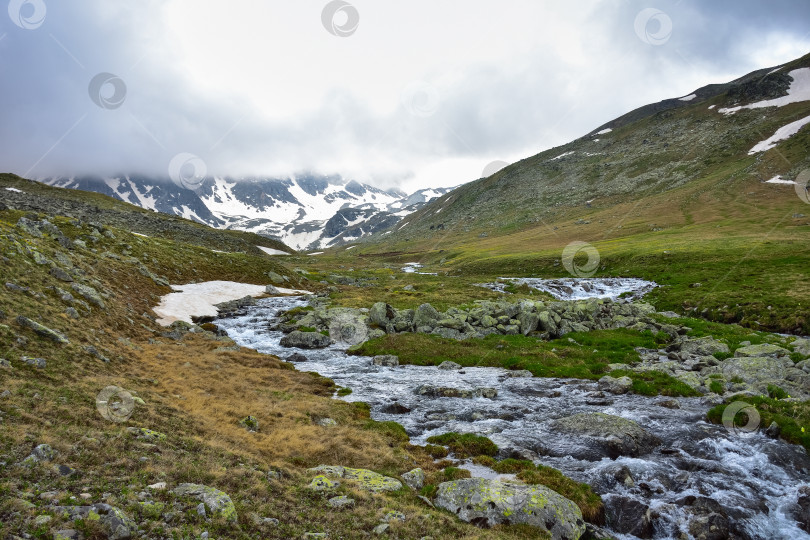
449,365
381,314
39,363
270,289
216,502
28,227
415,478
275,278
117,525
704,346
146,434
323,483
425,316
546,322
341,501
326,422
762,350
622,385
366,480
41,330
39,258
305,340
491,502
72,313
387,360
40,453
89,294
607,434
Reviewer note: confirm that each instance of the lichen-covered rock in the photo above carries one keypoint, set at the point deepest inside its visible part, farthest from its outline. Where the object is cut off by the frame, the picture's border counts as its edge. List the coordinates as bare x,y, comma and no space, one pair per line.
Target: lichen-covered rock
414,478
217,503
347,326
89,294
366,480
762,350
491,502
305,340
147,434
41,330
323,483
606,434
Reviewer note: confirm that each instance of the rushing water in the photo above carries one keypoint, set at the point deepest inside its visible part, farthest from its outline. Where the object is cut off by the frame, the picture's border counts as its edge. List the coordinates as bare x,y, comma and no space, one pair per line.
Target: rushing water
755,479
580,288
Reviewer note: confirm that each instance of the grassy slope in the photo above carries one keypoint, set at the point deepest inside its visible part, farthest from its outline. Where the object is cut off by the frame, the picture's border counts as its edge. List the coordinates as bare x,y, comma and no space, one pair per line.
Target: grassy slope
192,392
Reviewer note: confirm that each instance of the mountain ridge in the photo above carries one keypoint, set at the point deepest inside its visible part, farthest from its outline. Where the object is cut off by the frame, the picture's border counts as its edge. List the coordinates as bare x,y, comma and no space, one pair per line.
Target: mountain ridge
304,211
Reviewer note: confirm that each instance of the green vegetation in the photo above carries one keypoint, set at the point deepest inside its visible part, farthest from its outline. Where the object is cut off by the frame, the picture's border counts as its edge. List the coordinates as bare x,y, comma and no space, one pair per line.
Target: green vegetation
465,444
793,417
586,357
581,494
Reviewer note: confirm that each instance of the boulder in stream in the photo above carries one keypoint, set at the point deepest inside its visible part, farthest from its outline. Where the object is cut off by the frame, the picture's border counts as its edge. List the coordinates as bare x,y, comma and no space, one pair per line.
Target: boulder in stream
305,340
608,435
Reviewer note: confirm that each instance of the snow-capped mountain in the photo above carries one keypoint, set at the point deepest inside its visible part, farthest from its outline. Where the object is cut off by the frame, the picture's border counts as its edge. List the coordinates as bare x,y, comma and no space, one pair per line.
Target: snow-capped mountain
304,212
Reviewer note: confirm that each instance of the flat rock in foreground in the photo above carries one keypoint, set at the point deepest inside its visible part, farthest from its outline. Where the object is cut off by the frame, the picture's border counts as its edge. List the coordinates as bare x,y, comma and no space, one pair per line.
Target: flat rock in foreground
491,502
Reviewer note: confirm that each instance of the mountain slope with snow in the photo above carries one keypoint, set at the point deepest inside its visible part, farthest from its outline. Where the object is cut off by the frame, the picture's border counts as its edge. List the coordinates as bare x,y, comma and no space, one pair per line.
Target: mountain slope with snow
305,212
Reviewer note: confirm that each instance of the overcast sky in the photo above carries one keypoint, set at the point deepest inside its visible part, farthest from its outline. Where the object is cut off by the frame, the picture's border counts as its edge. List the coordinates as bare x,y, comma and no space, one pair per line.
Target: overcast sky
400,94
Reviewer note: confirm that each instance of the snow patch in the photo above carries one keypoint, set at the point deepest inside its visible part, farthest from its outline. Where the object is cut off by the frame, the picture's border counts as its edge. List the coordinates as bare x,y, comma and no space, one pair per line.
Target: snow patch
271,251
690,97
350,247
316,253
14,190
199,299
604,131
712,107
784,132
562,155
139,234
799,91
779,180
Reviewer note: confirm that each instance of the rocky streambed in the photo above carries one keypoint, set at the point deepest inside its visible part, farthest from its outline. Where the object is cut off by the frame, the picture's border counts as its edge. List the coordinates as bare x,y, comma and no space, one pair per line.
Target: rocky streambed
662,470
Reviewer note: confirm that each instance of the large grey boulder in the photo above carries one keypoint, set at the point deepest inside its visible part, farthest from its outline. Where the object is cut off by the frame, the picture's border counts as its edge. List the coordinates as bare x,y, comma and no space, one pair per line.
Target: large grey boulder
347,326
381,314
425,316
762,350
305,340
606,435
802,346
704,346
491,502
